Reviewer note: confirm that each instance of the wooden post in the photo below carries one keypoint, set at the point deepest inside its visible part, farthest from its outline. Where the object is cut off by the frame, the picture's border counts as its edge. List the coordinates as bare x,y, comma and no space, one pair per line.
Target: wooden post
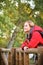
9,58
40,59
13,56
1,59
21,58
4,59
17,58
26,59
40,56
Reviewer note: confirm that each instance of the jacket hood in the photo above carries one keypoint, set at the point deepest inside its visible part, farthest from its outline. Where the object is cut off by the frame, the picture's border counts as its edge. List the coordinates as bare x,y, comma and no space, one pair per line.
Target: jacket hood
37,28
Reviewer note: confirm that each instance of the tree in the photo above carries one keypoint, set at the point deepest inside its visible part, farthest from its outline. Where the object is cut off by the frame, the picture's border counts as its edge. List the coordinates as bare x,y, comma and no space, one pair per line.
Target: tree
15,13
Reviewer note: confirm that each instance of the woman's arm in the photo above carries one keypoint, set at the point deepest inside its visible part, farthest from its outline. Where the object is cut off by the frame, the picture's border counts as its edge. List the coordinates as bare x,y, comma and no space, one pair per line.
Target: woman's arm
25,44
36,37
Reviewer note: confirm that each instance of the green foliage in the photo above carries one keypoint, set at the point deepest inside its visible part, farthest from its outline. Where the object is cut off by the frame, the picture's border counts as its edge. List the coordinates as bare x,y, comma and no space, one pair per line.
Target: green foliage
14,12
19,38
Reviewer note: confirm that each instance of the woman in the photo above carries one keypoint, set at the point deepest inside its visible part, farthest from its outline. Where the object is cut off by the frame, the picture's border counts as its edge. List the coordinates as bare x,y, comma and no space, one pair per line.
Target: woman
34,38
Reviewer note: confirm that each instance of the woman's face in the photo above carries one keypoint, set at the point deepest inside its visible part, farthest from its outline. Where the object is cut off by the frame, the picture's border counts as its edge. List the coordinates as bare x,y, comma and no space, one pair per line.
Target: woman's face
26,27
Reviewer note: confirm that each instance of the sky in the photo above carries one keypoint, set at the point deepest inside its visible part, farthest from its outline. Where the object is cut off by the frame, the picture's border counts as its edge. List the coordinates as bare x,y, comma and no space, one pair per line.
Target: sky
31,2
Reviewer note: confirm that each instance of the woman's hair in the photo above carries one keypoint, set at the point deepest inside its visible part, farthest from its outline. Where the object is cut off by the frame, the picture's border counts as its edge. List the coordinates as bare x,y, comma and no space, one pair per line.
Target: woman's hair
31,23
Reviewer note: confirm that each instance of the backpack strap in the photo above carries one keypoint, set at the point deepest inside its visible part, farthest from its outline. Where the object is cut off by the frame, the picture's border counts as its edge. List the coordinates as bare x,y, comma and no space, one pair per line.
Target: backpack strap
41,32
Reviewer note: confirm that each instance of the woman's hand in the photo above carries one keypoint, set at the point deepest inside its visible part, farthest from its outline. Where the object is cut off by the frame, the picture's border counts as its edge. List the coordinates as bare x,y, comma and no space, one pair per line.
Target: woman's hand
25,47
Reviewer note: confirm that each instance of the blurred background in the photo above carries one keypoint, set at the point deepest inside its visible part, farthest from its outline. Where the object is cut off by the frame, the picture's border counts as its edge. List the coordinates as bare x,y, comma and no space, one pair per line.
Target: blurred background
13,14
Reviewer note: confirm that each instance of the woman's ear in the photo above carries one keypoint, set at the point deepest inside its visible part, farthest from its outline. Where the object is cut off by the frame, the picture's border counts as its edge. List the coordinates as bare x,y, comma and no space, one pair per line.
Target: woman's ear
31,23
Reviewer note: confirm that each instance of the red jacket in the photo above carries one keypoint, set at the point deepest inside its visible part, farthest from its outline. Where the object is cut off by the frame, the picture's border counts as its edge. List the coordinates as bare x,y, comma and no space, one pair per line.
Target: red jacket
35,40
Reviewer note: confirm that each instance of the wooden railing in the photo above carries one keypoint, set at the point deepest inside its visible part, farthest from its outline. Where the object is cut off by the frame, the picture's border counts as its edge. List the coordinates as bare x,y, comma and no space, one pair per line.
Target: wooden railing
17,56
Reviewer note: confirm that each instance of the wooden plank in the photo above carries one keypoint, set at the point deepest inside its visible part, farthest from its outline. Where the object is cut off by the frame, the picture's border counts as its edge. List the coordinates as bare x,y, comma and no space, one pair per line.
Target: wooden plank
40,59
26,59
0,57
5,50
40,55
13,51
9,58
17,58
21,58
30,50
4,59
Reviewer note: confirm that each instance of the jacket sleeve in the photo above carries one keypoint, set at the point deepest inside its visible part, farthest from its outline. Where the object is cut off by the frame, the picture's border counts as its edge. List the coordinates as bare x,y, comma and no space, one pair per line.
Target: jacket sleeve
25,43
36,37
